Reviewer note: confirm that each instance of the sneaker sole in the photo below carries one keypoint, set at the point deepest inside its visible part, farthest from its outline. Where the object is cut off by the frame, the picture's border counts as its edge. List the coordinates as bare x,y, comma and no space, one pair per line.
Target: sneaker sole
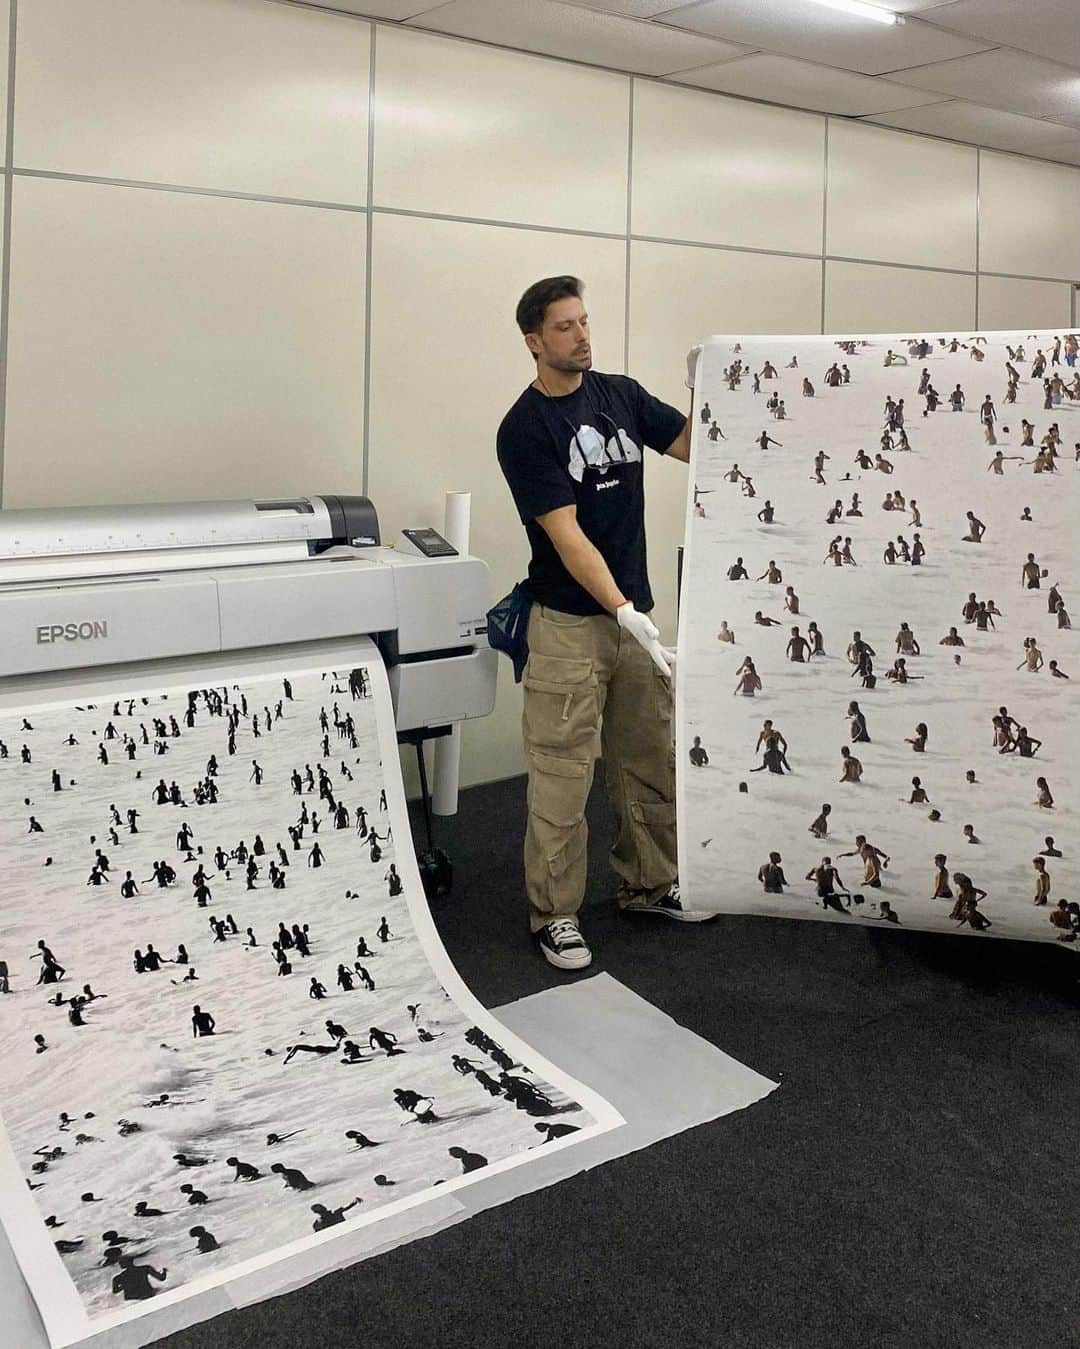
684,916
566,962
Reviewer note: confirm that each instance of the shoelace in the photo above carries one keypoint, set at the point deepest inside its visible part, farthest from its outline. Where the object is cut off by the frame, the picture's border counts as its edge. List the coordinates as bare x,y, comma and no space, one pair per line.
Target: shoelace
563,932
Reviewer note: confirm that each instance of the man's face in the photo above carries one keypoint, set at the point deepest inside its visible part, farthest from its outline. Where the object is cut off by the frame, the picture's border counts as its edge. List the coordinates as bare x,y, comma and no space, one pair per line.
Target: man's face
563,340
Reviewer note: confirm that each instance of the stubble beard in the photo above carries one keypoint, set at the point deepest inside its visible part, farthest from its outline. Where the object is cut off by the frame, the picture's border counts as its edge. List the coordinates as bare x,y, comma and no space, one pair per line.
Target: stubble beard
572,365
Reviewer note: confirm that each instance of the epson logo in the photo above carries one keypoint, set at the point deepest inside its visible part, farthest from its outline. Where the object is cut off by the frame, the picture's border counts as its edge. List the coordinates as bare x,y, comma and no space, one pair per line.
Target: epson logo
72,632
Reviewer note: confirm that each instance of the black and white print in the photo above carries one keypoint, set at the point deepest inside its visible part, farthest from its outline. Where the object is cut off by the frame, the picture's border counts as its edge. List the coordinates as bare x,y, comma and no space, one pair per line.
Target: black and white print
227,1027
878,670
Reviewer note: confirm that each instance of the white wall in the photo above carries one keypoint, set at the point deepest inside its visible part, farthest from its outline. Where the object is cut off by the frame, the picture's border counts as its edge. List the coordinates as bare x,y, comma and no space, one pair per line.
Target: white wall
716,170
866,298
901,198
1028,217
238,267
1043,304
179,346
459,131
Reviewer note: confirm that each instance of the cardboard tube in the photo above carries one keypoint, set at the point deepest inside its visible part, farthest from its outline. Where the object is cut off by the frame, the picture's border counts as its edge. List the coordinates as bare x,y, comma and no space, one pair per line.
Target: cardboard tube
447,774
457,515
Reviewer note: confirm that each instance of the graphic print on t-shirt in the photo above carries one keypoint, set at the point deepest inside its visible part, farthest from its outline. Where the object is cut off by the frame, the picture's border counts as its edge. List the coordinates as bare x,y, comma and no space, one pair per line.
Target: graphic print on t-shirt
588,449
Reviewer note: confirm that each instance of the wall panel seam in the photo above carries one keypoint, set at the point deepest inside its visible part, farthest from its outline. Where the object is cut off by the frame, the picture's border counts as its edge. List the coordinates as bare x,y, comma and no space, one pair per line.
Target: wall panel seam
5,242
901,266
629,228
1020,276
824,220
978,217
187,190
724,248
497,224
369,250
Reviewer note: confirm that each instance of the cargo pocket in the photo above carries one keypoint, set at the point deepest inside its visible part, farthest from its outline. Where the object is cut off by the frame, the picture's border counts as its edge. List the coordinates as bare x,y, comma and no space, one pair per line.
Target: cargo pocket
561,706
655,840
664,696
653,814
558,788
558,793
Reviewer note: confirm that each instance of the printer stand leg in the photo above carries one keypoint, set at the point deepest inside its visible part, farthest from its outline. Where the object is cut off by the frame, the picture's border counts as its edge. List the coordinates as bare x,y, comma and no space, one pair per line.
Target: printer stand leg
436,868
425,793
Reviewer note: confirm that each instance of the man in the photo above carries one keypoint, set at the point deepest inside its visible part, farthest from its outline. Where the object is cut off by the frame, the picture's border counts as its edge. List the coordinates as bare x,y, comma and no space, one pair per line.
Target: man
597,678
827,879
133,1281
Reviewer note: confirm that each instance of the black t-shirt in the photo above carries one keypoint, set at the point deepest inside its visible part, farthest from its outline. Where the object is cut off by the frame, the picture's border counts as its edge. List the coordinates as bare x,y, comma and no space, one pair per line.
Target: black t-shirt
584,449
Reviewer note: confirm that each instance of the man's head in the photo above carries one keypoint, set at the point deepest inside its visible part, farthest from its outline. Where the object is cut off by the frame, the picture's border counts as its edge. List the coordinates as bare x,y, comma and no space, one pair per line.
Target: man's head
554,323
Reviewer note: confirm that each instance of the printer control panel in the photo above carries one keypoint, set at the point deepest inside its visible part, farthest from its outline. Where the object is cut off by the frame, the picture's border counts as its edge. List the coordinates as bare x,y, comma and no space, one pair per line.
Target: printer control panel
429,542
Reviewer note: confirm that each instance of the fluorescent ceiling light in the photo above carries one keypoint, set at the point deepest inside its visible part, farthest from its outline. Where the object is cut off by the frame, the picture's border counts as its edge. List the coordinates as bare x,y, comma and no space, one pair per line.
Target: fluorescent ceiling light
863,11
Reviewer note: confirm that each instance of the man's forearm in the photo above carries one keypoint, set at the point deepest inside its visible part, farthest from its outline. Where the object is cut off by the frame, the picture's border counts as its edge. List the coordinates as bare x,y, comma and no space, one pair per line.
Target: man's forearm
583,560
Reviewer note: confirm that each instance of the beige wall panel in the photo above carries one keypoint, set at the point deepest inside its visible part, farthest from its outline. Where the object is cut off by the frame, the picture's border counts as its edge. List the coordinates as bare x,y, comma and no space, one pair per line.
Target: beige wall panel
900,198
869,299
467,130
5,21
238,95
680,295
1027,217
167,346
447,362
717,170
1007,303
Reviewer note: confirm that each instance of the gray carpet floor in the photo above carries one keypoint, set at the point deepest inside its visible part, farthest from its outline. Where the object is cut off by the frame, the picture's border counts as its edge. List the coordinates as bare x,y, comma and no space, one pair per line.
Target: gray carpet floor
910,1184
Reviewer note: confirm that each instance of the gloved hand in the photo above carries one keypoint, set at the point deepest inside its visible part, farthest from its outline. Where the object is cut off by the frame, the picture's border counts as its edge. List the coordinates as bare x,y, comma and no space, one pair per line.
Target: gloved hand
691,365
644,630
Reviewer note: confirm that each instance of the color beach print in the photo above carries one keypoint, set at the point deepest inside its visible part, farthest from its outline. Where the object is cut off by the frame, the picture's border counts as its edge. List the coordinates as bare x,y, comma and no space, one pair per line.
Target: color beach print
878,672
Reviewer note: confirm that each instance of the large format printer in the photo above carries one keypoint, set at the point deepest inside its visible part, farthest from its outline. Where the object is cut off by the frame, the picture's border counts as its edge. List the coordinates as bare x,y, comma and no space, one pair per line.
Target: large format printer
140,592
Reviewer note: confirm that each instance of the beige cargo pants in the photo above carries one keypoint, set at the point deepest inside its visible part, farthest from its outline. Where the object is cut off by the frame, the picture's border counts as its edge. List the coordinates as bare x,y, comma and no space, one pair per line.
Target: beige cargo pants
592,689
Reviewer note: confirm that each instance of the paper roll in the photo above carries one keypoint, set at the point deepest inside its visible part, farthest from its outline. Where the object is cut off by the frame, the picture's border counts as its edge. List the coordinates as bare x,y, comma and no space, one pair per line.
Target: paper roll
457,516
444,792
444,798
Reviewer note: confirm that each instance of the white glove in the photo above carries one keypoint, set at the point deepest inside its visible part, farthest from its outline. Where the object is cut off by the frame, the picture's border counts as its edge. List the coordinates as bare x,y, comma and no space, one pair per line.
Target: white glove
691,365
644,630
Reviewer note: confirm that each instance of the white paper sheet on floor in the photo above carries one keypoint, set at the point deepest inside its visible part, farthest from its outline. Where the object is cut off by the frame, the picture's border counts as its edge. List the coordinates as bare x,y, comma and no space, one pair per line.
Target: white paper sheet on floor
595,1029
232,1094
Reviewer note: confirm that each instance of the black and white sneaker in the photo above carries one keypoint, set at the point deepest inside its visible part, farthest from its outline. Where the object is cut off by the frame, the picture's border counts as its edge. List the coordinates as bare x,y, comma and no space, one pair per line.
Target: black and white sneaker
563,945
667,905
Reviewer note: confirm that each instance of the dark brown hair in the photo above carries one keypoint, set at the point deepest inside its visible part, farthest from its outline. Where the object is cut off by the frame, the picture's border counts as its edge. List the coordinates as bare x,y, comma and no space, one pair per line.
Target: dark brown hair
533,305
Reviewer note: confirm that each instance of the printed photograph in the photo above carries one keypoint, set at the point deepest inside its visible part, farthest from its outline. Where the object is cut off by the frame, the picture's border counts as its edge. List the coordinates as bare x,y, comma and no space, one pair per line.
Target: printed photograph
878,668
220,1029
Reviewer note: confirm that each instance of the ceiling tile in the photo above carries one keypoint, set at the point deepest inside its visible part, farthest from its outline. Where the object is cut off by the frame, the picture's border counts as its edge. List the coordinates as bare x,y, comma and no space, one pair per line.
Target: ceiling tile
961,121
649,9
1005,79
381,9
815,33
1066,156
922,7
557,29
1049,28
801,84
630,9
